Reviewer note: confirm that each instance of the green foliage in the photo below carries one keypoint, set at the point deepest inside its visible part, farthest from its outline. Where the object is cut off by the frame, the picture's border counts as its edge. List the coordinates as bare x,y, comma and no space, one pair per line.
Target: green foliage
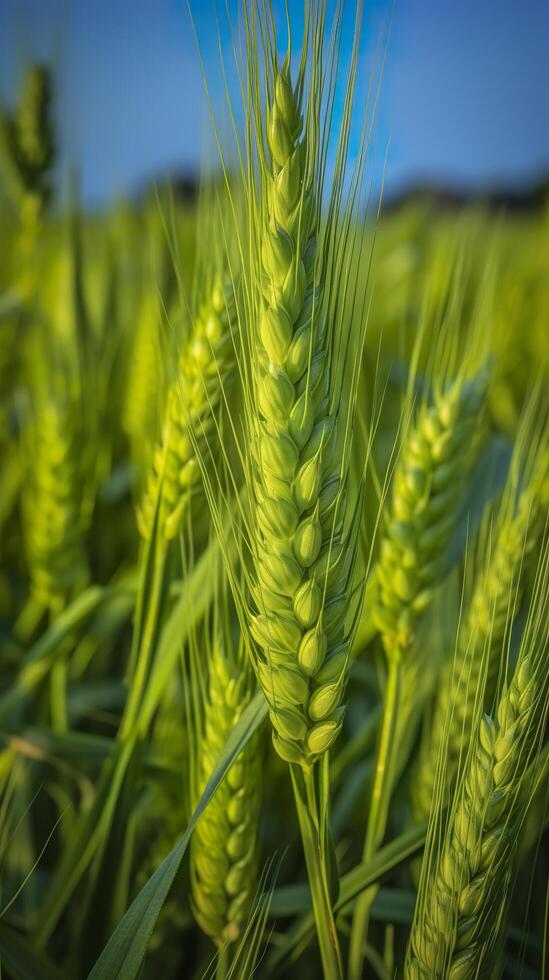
334,433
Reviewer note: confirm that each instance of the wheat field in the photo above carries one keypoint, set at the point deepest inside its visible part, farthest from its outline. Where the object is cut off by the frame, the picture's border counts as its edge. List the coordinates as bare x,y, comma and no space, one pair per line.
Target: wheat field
274,565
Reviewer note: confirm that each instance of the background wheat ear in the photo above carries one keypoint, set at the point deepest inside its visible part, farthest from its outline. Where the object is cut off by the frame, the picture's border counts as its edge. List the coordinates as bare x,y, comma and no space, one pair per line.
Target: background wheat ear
507,550
430,473
141,395
33,131
192,401
468,869
57,490
27,151
154,311
428,482
54,508
224,848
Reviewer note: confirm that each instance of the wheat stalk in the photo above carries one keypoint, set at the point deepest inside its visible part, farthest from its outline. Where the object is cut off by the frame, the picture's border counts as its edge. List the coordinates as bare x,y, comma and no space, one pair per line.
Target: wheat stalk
158,817
139,414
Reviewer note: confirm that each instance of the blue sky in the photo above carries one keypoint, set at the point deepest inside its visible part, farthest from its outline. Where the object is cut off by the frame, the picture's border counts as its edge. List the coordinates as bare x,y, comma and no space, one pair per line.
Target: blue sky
465,95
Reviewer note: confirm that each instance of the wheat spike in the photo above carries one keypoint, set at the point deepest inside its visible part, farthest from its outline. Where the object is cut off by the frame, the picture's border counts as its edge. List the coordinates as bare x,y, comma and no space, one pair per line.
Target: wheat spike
54,505
224,849
33,128
189,421
303,563
459,914
494,604
419,522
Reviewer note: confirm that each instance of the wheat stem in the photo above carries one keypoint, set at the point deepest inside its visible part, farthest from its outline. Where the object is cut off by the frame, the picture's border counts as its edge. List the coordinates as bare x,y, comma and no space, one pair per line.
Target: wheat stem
315,845
379,808
58,695
222,964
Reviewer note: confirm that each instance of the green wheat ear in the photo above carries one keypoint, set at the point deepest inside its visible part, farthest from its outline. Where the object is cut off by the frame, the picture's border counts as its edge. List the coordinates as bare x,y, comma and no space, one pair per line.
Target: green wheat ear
301,339
192,404
34,138
296,458
495,601
428,483
303,533
54,504
418,523
27,151
224,849
466,882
